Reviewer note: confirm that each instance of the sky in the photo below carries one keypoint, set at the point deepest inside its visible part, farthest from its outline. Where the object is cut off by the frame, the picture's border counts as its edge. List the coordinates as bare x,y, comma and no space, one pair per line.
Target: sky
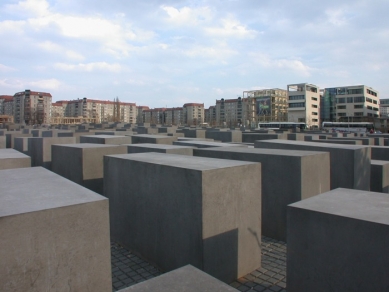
167,53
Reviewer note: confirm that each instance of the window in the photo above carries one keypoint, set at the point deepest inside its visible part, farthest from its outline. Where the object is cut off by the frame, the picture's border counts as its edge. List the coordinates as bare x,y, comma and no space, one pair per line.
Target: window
314,120
350,99
374,101
369,107
341,107
371,92
314,106
358,114
355,91
314,113
358,105
341,100
296,97
375,109
298,104
369,100
359,99
314,98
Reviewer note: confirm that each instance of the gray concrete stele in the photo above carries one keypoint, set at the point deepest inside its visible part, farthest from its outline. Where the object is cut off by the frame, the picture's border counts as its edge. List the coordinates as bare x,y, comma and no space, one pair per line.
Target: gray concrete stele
176,210
338,241
54,234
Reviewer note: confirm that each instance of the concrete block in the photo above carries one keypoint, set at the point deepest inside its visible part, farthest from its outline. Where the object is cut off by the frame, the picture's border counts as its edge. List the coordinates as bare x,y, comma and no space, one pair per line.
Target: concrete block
187,278
83,163
153,139
338,241
194,133
295,136
10,158
3,142
252,137
350,164
288,176
54,234
40,149
331,141
365,141
146,130
379,176
10,136
206,144
106,139
380,153
176,210
161,148
228,136
21,145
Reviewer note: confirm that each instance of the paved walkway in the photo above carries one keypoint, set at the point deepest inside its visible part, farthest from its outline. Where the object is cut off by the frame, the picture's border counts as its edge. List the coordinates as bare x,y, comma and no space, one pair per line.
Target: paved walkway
129,269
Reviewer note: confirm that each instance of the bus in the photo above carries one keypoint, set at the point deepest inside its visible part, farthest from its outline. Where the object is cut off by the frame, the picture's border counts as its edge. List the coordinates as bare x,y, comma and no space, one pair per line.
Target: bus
352,127
281,125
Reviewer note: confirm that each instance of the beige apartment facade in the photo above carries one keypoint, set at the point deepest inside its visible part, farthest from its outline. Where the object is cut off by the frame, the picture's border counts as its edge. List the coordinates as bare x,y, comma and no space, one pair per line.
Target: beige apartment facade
304,104
193,113
32,107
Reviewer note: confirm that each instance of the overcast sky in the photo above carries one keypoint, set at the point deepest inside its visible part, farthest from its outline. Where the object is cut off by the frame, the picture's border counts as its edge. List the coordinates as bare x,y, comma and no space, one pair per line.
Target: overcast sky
167,53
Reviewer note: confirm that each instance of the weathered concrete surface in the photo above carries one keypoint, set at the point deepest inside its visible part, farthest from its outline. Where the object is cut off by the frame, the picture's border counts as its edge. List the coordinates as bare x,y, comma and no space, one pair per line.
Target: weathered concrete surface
10,158
3,142
224,136
288,176
187,210
40,149
330,141
83,163
380,152
187,278
106,139
206,144
10,136
379,176
365,141
54,234
161,148
350,164
153,139
252,137
21,144
338,241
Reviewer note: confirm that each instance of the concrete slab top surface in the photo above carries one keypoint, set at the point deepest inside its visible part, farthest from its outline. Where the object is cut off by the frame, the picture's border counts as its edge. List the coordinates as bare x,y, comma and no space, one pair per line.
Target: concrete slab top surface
105,136
157,146
182,161
315,144
350,203
25,190
279,152
153,136
87,145
379,162
11,153
210,143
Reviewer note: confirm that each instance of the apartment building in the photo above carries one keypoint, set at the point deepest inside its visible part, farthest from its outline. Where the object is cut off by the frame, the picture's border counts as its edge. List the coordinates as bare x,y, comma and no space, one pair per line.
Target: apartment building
6,105
384,107
174,116
267,105
139,113
229,112
98,110
193,113
31,107
304,104
210,115
154,116
349,101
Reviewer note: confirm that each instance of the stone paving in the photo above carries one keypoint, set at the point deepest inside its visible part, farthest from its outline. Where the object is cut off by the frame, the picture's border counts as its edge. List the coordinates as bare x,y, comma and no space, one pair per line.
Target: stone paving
129,269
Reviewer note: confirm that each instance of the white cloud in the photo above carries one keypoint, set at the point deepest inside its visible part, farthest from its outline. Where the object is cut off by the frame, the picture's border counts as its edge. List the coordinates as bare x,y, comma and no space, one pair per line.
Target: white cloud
4,68
294,65
187,15
231,28
28,7
46,84
89,67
